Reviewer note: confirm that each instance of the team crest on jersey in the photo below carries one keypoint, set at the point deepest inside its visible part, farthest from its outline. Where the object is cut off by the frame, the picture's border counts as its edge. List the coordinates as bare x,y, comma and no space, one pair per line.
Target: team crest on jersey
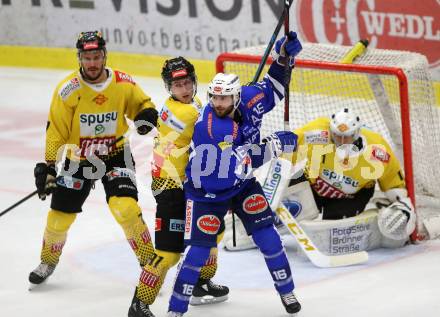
100,99
316,137
123,78
380,154
254,204
208,224
68,88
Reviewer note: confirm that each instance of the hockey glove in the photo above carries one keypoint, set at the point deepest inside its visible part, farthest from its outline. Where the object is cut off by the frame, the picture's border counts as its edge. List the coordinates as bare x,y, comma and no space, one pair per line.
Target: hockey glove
290,45
45,179
146,120
397,221
280,142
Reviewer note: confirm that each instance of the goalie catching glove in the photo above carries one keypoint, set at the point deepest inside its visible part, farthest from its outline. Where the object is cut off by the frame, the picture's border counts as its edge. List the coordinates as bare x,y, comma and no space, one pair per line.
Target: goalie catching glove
146,120
290,45
398,220
45,179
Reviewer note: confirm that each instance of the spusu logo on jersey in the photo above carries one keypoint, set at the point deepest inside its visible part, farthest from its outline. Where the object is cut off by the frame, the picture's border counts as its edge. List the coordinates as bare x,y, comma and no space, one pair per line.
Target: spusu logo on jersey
208,224
411,25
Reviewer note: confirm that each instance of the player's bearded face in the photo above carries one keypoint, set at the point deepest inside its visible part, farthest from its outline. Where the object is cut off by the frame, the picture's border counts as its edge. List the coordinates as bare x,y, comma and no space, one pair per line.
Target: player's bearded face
183,90
92,64
223,105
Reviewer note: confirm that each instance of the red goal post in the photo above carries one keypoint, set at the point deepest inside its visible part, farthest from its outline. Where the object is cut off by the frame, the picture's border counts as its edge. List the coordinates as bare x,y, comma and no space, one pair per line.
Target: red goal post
378,90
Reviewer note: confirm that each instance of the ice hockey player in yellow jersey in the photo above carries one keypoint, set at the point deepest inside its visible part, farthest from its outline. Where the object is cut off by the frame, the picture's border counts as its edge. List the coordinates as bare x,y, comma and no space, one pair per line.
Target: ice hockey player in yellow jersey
88,111
339,163
344,161
170,157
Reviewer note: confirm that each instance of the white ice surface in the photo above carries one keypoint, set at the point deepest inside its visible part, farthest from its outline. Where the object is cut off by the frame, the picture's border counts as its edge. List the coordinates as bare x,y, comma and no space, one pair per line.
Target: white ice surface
98,272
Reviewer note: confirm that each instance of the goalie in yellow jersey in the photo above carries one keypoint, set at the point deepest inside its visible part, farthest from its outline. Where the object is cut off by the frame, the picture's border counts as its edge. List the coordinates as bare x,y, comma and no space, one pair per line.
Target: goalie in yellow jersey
339,164
170,157
88,110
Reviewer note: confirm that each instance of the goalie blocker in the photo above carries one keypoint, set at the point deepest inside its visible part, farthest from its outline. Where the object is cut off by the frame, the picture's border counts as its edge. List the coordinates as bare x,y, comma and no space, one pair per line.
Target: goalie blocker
387,221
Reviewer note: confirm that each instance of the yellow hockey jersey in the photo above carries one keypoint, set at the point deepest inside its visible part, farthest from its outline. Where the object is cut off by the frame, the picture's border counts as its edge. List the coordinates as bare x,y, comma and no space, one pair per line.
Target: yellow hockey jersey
86,115
343,171
176,126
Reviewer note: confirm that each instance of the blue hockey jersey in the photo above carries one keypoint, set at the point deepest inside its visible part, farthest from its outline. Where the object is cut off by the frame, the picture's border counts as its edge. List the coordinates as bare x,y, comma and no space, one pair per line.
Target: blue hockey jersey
220,161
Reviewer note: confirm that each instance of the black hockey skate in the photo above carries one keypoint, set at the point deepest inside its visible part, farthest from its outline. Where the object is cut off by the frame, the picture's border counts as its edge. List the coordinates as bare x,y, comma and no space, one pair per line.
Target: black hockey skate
206,292
290,303
138,308
40,274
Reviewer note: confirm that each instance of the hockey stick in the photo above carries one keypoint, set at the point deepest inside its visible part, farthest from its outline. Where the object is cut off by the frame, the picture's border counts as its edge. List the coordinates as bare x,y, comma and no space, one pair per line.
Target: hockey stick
36,191
315,256
287,71
275,182
287,4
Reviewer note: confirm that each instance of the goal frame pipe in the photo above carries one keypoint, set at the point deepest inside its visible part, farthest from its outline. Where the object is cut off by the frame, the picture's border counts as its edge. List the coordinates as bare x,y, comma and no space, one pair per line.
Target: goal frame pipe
355,68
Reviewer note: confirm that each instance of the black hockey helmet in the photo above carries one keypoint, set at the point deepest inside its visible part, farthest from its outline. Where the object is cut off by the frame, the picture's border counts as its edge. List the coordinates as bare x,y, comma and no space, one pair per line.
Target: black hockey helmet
177,68
89,41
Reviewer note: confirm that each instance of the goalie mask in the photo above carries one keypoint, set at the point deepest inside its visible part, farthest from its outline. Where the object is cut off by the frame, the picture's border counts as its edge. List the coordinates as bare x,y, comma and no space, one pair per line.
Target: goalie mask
176,69
225,85
344,127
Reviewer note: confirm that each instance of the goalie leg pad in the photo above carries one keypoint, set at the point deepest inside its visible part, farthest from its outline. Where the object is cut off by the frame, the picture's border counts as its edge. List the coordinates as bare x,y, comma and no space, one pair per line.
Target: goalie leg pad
128,214
268,241
300,202
55,234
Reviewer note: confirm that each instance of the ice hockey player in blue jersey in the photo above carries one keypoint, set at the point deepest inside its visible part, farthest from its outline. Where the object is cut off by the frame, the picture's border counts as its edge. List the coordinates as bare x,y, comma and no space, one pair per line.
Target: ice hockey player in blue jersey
225,148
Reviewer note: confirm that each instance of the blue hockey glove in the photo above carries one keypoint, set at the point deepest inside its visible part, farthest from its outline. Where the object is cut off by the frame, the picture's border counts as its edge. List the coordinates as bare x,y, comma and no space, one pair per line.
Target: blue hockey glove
290,45
281,142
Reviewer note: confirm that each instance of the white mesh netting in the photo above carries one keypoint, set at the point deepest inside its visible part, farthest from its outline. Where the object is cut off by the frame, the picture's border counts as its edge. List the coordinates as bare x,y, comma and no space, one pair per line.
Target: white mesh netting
316,92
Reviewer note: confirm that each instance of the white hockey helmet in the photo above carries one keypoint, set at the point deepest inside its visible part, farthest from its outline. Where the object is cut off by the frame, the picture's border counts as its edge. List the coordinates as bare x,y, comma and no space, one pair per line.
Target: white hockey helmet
225,85
344,123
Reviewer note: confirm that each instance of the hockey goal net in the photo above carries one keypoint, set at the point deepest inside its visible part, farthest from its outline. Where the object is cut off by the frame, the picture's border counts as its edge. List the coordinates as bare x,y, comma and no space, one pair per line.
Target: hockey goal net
390,90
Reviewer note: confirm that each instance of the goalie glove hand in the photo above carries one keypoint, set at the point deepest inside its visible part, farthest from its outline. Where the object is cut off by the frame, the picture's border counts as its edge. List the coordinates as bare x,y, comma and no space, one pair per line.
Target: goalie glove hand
45,179
280,142
397,221
290,45
146,120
